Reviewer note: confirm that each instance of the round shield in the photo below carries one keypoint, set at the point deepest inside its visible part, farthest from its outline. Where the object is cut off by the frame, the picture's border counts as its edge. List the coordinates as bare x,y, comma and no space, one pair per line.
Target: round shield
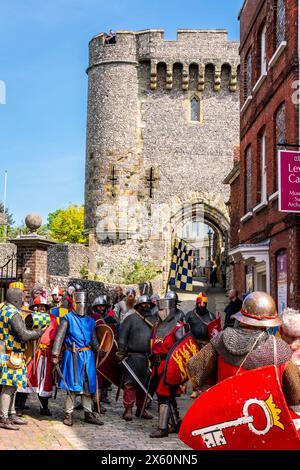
108,366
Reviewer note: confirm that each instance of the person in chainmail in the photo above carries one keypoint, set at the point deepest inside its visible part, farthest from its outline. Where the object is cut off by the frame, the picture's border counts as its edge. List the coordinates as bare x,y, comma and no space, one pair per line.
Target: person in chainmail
198,320
13,373
134,346
247,347
126,306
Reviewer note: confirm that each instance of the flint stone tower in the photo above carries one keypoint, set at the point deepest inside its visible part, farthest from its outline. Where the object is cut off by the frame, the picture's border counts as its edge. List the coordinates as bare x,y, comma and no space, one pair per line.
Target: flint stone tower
163,121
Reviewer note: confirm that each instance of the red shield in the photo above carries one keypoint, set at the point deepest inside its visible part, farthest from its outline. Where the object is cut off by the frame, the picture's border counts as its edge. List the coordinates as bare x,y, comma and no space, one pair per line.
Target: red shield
244,412
108,366
214,328
175,368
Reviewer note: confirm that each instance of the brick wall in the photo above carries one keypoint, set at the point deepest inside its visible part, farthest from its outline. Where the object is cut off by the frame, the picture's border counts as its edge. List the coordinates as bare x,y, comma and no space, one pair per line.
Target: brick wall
267,223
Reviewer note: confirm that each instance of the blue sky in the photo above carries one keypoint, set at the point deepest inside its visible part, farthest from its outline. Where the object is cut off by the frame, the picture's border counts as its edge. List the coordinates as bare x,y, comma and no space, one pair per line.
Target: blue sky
43,58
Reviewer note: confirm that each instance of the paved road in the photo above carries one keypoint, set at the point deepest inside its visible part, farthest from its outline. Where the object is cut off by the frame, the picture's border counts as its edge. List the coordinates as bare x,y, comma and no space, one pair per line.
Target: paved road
50,433
43,433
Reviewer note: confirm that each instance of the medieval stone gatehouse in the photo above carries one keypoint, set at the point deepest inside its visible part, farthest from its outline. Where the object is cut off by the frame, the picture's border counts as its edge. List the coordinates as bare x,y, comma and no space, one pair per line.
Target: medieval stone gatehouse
163,121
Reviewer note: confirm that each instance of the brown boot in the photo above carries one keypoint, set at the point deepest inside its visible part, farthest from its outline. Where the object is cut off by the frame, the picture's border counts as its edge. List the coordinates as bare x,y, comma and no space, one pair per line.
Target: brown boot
145,415
127,415
159,433
7,424
92,418
68,420
14,419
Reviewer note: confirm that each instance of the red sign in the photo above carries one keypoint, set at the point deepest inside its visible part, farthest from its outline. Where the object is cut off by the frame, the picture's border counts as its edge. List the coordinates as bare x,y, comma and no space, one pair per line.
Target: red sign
245,412
289,181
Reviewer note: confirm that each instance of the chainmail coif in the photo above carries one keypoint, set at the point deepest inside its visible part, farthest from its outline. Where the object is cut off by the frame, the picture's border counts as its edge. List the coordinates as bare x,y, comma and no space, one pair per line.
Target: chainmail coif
235,343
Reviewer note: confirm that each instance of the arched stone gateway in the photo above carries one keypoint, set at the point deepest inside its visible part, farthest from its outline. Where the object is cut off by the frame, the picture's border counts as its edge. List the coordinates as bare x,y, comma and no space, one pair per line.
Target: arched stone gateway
216,217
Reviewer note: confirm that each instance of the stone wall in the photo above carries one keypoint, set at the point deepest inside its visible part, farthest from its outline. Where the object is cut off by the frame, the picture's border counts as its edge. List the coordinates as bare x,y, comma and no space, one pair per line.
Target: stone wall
95,288
67,259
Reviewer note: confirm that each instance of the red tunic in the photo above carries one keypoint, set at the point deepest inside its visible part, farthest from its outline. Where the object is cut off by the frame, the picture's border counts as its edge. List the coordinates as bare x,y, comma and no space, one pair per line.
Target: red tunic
161,347
41,377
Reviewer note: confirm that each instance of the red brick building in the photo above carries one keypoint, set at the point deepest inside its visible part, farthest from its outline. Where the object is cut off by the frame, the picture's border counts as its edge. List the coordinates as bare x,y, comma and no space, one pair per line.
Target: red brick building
265,243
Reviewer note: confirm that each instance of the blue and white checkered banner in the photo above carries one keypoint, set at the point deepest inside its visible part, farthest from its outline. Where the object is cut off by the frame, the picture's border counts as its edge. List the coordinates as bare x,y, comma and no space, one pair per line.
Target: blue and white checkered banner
181,273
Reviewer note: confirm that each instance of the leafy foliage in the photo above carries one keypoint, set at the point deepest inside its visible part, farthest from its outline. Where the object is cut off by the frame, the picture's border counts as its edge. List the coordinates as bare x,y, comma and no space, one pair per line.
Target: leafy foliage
10,221
67,225
135,272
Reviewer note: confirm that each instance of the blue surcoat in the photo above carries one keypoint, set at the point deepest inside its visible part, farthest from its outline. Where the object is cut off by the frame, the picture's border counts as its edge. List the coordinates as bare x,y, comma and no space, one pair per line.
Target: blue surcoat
80,331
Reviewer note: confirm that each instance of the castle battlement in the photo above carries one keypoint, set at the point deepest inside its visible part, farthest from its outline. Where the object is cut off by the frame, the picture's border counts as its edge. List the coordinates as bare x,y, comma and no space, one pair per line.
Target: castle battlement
198,47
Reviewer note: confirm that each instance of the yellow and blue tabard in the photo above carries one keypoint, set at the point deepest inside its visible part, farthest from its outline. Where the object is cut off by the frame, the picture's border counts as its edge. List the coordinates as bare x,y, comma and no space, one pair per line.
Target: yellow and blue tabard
59,313
11,343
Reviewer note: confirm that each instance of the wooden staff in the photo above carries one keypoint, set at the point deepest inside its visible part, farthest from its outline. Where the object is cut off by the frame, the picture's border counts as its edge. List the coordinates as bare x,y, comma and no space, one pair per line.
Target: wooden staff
97,360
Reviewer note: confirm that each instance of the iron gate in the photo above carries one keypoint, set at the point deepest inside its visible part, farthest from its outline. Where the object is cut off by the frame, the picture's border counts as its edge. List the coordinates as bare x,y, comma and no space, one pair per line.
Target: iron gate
7,275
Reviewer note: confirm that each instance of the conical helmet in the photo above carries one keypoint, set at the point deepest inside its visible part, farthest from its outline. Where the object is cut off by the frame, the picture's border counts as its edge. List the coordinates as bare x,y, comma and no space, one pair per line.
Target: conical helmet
258,309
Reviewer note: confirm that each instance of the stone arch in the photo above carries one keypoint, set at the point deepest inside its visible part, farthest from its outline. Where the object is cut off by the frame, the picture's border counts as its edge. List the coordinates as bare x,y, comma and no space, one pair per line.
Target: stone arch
211,210
161,75
209,75
226,70
193,76
177,75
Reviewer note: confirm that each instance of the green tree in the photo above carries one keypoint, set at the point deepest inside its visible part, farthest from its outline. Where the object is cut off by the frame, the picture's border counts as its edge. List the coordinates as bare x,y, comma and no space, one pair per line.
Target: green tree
10,221
67,225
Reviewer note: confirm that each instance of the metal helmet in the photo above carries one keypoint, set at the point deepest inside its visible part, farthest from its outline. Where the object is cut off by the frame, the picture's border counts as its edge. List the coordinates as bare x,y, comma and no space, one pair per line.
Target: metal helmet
80,300
258,309
144,299
172,295
100,300
71,290
14,297
155,298
167,308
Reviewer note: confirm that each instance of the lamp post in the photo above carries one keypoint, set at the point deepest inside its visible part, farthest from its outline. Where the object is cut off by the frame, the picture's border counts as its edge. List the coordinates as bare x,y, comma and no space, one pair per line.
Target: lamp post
209,234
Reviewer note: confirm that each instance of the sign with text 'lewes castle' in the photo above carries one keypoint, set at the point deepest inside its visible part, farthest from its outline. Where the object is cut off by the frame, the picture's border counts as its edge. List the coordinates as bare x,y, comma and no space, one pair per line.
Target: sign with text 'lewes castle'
289,181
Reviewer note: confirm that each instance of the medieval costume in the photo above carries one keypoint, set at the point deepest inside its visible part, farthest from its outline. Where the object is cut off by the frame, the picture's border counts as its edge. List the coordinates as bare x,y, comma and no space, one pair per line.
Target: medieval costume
198,321
78,370
57,309
101,315
126,306
134,347
68,300
233,307
13,373
169,329
39,369
249,347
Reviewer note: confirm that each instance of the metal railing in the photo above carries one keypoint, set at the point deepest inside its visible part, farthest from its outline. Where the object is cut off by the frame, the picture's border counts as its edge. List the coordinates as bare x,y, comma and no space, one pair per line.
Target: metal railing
7,275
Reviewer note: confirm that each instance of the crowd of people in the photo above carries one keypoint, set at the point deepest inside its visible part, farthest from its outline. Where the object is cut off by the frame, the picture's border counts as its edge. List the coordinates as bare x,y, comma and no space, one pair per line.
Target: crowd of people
47,345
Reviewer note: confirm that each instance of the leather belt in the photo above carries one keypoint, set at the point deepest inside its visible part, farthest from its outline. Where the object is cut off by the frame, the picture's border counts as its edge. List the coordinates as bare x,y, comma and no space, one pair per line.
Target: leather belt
79,349
160,357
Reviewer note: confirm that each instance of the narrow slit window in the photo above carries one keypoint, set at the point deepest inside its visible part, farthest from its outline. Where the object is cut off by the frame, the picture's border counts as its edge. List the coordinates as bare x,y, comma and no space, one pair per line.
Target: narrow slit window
195,109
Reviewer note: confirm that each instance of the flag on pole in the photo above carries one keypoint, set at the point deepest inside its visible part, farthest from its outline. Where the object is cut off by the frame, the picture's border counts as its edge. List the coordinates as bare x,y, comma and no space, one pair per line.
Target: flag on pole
181,273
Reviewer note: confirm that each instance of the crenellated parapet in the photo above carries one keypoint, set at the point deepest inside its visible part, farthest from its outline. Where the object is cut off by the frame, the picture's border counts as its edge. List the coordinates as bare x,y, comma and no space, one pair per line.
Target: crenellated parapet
204,49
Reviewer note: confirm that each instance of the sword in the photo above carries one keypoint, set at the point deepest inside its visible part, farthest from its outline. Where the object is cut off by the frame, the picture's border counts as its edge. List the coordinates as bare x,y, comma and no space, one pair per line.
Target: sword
74,362
133,375
57,368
